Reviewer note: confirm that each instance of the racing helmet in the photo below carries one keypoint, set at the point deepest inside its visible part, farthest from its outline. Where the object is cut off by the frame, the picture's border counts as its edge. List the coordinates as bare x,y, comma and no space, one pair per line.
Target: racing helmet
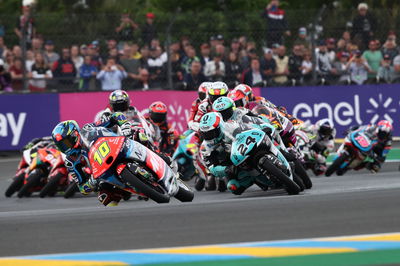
384,129
210,126
119,101
67,138
203,88
246,89
158,112
216,90
239,98
225,107
325,129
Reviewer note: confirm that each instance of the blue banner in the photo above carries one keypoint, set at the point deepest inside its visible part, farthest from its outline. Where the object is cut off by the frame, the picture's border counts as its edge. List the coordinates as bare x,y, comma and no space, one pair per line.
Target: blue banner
27,116
343,105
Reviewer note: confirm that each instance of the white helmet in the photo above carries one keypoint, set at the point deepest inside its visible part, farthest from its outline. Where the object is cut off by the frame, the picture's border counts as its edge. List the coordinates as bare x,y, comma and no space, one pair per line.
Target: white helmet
325,129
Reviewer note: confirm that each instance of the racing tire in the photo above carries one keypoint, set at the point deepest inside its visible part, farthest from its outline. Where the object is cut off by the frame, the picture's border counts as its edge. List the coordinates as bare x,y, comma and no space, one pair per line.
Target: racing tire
50,189
302,173
299,182
290,186
33,180
71,190
336,165
16,185
211,184
199,183
158,195
221,185
184,194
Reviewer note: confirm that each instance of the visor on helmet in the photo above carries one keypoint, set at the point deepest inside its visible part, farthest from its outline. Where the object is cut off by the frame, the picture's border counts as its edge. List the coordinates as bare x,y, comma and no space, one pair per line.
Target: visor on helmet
211,134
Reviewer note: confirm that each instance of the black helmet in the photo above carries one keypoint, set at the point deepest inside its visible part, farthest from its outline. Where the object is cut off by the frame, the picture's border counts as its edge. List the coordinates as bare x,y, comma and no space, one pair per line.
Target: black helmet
119,101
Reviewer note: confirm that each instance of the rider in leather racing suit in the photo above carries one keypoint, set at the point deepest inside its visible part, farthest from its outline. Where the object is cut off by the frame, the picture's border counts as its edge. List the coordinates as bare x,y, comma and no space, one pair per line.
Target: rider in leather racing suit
322,142
382,134
202,92
66,136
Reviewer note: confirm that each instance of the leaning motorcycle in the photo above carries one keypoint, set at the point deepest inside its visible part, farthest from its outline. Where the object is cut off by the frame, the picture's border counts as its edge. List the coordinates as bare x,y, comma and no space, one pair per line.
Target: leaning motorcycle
355,150
126,166
253,149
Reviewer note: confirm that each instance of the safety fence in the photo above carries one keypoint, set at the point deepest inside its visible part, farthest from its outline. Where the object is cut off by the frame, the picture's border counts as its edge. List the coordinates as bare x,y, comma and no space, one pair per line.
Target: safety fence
25,116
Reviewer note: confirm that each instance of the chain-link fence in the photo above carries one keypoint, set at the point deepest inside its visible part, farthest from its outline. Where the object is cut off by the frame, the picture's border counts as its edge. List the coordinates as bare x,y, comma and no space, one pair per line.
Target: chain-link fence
227,45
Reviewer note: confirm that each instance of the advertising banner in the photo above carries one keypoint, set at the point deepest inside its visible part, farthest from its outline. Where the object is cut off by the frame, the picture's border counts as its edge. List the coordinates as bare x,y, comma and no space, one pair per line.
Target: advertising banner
83,107
24,117
343,105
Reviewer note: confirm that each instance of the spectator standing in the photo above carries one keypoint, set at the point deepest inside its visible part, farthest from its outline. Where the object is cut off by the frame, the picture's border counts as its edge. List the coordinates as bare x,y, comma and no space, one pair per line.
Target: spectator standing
295,64
282,66
25,21
302,39
30,60
307,67
149,31
188,59
390,47
235,46
195,77
205,52
374,57
49,55
76,57
144,82
254,75
156,66
126,29
111,76
341,68
324,67
215,69
385,70
87,73
130,65
40,72
37,45
358,69
94,54
16,74
233,70
268,64
276,23
64,68
331,49
364,26
83,50
135,51
145,52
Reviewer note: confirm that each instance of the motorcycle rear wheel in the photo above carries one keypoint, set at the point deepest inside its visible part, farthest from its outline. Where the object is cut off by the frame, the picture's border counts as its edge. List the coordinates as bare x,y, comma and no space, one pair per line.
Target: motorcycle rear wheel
302,173
16,185
158,194
71,190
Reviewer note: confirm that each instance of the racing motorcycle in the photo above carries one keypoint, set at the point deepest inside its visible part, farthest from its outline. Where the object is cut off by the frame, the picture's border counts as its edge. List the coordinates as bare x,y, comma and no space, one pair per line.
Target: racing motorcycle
284,126
128,167
183,155
38,171
355,150
57,179
18,180
253,149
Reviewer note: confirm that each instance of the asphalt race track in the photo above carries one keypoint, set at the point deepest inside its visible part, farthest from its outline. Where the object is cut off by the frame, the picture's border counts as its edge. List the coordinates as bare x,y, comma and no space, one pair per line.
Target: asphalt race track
358,203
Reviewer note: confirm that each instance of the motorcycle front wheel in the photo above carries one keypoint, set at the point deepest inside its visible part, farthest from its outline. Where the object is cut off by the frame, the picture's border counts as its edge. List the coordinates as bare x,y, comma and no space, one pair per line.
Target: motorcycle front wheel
336,165
32,181
16,185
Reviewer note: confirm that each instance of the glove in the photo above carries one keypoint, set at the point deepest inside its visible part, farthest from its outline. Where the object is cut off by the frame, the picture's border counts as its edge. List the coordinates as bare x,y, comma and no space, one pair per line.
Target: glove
126,130
218,171
105,117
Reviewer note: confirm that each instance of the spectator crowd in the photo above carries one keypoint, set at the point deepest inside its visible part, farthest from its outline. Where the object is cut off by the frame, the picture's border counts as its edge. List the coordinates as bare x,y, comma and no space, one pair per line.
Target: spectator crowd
356,57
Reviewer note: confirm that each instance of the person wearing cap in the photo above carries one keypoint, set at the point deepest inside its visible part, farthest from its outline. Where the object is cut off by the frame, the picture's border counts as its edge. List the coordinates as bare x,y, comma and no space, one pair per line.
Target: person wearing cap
27,21
385,70
323,66
268,64
276,23
49,55
358,69
149,31
302,38
374,57
342,73
126,28
364,25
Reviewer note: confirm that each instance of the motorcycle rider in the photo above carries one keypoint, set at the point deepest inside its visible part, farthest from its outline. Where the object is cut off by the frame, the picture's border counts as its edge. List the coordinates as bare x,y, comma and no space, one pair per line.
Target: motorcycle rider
67,138
322,142
202,93
382,134
169,136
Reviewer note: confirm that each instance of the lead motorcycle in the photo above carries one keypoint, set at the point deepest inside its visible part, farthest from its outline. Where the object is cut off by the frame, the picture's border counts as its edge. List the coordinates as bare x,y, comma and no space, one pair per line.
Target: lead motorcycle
355,150
253,150
128,167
